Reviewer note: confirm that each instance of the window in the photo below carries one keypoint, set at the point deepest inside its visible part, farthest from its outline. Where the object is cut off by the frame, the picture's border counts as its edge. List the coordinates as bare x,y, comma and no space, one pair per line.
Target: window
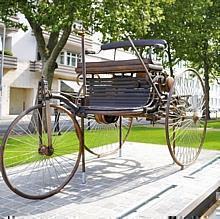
69,58
62,58
0,43
7,45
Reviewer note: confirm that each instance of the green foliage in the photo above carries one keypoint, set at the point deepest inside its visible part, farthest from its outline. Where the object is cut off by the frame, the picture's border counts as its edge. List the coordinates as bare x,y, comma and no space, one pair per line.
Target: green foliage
114,19
192,29
7,52
117,19
56,17
191,26
52,15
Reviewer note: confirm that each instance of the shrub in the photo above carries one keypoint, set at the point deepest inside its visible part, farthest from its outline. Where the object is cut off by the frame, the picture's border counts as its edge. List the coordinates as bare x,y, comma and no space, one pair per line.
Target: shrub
7,52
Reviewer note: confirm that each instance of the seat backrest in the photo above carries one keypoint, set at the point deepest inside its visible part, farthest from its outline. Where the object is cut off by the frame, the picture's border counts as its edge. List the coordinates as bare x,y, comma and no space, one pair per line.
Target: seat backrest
118,91
119,66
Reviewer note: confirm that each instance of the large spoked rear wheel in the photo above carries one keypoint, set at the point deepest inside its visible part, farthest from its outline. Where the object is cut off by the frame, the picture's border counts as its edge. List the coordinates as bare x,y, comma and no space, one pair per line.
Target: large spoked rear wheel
105,135
186,117
32,168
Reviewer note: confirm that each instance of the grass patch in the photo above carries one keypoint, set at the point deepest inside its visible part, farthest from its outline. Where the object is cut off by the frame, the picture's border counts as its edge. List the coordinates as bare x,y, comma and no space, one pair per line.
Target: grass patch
24,149
147,135
215,124
157,136
100,137
212,140
20,153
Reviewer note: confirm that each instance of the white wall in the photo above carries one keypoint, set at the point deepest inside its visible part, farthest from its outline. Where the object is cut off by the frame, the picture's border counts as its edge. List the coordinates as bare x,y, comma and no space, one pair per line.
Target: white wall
24,45
19,78
215,97
20,100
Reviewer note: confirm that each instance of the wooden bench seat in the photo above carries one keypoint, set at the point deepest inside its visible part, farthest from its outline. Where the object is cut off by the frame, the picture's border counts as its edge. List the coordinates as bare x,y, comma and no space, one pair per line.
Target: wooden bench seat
119,66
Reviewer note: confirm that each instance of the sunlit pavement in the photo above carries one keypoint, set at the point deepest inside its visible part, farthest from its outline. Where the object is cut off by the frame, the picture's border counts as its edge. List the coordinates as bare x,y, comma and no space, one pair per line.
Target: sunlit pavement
144,179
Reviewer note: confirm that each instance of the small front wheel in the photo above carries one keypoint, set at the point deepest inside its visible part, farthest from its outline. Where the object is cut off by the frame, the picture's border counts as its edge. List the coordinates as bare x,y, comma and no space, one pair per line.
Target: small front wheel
30,166
105,135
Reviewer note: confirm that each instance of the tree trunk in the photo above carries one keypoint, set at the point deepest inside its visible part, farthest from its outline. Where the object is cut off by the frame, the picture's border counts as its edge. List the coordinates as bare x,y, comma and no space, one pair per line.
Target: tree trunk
48,71
50,64
207,87
170,60
206,67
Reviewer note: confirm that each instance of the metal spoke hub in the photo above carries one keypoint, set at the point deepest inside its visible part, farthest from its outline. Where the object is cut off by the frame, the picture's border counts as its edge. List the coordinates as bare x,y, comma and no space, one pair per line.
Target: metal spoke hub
46,150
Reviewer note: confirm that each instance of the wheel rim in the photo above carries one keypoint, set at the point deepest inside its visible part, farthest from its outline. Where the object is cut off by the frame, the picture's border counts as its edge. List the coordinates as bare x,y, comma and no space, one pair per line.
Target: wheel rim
103,139
32,171
186,117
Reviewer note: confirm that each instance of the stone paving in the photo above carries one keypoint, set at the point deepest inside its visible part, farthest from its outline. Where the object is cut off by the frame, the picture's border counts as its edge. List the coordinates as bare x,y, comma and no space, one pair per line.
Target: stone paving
144,174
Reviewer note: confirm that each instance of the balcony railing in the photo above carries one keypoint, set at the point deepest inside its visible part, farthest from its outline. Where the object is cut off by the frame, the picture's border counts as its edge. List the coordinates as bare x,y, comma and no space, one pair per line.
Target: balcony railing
63,71
75,40
35,66
10,62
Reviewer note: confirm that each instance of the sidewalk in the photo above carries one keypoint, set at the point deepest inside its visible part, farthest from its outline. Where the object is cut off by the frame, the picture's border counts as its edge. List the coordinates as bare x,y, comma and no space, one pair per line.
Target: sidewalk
5,122
115,185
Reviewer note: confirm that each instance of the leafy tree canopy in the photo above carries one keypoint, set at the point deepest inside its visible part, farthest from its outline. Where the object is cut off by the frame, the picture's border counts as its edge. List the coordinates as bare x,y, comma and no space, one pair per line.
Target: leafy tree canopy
192,29
113,19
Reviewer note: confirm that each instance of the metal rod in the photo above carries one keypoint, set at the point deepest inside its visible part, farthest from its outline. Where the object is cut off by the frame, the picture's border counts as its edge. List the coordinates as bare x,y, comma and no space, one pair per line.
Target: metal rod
2,58
145,68
40,127
120,135
114,54
2,65
83,151
48,123
83,63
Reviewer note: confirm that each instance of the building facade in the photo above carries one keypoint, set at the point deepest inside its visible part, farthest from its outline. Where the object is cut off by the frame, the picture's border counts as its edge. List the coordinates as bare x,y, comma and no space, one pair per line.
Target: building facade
22,67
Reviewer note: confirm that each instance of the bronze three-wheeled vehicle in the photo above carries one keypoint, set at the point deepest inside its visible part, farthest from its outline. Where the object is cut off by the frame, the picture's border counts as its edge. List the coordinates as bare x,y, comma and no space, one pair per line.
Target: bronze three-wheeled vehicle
44,146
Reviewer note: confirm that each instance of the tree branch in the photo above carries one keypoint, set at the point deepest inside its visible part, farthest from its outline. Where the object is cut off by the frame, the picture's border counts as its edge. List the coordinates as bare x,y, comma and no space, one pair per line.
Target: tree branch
217,79
50,65
38,32
53,39
60,43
